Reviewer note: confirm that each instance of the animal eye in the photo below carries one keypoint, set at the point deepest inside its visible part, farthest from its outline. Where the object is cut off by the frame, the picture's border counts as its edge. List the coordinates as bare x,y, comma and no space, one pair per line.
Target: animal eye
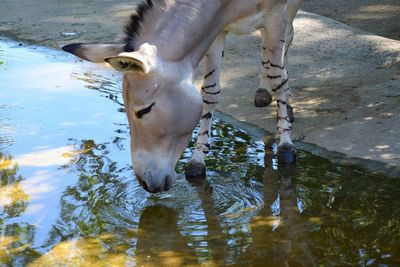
142,112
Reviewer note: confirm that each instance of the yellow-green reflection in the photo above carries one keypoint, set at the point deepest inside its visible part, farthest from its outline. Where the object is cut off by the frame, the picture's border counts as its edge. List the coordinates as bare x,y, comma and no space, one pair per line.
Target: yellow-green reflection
13,199
89,251
15,239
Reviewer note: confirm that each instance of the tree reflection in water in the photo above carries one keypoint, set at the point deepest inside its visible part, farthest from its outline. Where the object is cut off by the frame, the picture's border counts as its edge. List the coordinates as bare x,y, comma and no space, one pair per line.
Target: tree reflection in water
16,238
96,224
247,212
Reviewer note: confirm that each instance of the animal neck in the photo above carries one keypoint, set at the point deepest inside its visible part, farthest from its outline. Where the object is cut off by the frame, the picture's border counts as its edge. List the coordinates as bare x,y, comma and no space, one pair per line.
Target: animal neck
180,29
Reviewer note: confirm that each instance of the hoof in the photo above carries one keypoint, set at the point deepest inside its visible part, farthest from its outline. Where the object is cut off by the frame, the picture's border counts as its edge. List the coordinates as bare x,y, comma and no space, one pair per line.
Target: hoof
263,98
287,154
290,113
195,169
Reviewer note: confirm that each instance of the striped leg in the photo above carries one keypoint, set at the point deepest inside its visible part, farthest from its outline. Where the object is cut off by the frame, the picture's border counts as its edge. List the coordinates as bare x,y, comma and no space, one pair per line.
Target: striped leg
210,92
288,42
278,80
292,8
263,95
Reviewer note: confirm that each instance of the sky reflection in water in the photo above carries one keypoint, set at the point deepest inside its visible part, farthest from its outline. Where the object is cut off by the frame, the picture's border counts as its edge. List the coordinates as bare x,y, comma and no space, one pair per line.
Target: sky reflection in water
68,195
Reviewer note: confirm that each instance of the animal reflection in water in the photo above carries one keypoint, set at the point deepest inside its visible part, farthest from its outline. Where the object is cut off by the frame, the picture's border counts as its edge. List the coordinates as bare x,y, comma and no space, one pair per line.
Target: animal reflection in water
278,231
277,239
159,242
165,42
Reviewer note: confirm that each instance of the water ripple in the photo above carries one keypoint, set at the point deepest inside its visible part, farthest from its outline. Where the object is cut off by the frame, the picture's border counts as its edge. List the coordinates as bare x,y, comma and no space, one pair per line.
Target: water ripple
19,123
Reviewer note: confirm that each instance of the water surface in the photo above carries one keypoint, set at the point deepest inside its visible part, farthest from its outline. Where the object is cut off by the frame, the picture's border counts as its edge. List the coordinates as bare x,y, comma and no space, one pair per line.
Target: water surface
68,195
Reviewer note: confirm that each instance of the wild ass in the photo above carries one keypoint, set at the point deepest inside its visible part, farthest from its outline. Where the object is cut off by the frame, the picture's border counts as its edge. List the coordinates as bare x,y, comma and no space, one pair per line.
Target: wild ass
166,40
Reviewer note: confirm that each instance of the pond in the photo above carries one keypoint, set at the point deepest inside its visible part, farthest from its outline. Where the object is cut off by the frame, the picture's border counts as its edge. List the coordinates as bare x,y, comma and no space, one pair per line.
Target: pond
69,197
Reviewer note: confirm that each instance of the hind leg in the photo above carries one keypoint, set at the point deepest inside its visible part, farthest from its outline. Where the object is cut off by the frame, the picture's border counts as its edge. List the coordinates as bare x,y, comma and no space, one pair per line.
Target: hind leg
210,93
276,30
263,95
292,9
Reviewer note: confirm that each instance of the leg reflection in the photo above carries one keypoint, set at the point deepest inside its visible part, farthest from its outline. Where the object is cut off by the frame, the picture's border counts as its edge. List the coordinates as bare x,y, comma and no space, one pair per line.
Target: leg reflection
278,231
216,239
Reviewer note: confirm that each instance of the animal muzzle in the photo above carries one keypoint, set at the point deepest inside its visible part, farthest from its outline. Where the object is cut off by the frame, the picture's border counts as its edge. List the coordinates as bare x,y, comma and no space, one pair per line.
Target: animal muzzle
154,184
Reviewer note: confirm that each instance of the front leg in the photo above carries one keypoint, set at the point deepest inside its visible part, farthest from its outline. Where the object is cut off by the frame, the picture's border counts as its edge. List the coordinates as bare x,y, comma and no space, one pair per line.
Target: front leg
276,28
263,95
210,92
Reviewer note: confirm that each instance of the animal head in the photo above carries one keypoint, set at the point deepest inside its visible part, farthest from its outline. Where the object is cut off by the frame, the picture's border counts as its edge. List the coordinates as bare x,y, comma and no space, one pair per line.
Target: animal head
162,105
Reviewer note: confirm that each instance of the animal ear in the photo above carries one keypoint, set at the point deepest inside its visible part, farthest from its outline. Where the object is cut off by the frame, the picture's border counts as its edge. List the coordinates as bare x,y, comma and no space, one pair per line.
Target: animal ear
94,52
132,62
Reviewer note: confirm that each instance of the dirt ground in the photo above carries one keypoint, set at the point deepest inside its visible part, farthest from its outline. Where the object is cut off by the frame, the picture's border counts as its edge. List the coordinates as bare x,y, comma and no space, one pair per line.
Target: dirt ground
381,17
50,22
345,81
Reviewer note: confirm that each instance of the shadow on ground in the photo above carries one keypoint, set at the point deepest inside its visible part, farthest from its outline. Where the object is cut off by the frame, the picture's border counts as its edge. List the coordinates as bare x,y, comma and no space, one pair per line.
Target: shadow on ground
380,17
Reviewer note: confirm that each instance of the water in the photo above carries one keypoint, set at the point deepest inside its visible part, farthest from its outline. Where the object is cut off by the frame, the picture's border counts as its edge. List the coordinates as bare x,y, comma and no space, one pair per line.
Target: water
68,195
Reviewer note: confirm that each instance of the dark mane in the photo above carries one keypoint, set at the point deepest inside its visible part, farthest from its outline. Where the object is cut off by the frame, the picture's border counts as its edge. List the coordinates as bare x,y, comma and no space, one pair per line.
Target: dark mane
132,29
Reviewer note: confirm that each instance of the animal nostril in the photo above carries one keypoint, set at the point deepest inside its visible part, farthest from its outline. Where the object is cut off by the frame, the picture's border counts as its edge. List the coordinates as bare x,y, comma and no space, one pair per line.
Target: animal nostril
142,183
152,188
167,183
